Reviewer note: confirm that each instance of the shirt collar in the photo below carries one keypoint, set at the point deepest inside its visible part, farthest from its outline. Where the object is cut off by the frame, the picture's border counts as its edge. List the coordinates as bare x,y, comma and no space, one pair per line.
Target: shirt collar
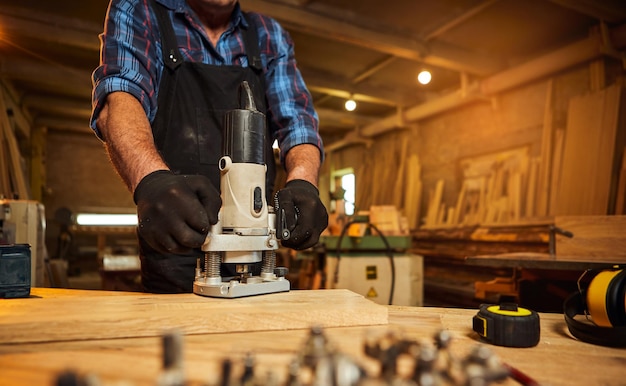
180,6
177,5
237,17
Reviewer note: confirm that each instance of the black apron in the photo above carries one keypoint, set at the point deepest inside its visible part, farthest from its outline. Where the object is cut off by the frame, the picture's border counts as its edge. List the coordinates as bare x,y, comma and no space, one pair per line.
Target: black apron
187,129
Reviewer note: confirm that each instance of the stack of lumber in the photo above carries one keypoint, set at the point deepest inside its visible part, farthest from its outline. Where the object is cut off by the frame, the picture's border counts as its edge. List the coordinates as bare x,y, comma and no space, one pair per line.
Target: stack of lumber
574,174
492,191
389,175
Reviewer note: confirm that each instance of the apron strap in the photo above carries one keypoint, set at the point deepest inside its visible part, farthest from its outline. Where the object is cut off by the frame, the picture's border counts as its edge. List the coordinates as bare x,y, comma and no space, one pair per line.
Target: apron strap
171,56
251,42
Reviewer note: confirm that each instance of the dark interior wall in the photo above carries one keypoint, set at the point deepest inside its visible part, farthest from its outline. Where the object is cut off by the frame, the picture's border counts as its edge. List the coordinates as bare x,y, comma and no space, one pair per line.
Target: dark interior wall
502,122
80,177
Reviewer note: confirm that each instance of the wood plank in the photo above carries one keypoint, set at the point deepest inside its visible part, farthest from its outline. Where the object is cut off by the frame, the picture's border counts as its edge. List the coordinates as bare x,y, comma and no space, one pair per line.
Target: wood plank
535,260
588,155
550,362
413,196
16,172
620,198
596,238
104,317
543,193
559,138
531,187
5,182
401,183
434,204
458,213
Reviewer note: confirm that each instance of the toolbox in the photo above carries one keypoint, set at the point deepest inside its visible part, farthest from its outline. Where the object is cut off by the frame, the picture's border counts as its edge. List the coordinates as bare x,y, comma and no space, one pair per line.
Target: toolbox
15,271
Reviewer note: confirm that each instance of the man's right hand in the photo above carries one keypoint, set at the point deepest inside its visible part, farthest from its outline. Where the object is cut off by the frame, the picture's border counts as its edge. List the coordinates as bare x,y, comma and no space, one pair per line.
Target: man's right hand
176,211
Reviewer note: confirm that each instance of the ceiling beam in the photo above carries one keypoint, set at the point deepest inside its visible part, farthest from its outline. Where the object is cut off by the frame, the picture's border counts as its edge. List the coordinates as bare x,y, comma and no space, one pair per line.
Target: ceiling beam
372,69
335,118
342,87
49,28
611,11
335,28
58,106
459,19
56,78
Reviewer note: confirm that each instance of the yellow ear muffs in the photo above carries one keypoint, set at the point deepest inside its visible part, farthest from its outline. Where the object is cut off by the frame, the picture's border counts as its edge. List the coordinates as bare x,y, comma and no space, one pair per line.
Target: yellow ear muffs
605,302
606,298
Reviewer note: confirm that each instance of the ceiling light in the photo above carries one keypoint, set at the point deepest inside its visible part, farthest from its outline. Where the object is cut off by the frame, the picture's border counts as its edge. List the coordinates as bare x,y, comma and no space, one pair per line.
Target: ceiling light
424,77
350,105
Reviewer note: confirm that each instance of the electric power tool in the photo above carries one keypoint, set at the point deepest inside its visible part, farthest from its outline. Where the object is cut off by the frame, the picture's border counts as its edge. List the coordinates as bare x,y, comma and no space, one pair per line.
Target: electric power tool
246,232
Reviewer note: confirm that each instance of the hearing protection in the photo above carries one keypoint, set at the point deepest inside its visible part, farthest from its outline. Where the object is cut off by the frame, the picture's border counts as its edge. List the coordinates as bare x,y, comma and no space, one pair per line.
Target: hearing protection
603,303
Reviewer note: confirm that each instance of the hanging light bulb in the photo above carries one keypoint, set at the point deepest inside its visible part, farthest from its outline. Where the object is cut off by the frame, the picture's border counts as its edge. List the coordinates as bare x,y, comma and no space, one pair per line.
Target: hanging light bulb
350,104
424,77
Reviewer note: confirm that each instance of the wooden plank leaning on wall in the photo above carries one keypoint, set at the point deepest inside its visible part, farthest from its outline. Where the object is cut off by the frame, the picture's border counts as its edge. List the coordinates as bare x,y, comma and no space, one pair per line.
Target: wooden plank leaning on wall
588,153
13,179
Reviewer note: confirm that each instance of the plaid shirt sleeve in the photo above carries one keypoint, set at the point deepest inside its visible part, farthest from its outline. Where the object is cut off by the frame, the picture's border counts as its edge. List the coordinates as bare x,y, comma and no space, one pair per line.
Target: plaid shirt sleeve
127,58
292,116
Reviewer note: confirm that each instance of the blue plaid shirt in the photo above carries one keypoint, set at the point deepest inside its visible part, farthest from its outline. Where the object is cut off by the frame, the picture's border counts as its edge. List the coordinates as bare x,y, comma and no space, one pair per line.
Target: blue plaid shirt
131,61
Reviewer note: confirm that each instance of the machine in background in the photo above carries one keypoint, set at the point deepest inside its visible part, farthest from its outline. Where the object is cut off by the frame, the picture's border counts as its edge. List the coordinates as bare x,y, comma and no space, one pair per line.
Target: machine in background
371,256
23,222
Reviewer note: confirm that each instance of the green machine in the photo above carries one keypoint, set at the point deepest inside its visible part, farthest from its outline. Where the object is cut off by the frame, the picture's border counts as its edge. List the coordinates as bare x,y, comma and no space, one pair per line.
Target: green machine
379,267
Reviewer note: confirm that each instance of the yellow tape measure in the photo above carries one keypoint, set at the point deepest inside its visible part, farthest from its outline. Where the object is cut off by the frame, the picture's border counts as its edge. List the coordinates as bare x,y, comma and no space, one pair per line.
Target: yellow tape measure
507,325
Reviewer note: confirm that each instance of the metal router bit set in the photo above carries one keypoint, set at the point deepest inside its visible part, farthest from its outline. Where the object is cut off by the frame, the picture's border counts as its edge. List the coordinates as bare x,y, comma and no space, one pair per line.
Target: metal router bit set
400,362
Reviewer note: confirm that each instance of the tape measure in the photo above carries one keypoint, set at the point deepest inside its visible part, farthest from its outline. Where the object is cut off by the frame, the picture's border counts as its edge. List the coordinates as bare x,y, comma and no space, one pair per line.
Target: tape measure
507,325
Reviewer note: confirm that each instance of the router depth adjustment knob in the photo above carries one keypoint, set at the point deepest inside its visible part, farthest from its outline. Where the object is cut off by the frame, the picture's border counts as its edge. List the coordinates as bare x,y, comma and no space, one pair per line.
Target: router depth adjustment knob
507,325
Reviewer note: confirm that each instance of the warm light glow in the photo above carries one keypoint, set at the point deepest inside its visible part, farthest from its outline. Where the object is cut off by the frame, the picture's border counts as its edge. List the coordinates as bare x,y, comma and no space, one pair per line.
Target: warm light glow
275,144
424,77
350,105
106,219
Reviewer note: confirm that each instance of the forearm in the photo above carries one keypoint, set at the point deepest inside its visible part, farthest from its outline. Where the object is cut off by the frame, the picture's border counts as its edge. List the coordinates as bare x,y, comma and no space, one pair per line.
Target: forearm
303,162
128,138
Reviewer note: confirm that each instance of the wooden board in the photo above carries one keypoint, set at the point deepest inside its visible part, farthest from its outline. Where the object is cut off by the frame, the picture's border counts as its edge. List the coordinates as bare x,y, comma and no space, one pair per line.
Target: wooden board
588,153
620,199
137,361
16,172
45,319
545,167
596,238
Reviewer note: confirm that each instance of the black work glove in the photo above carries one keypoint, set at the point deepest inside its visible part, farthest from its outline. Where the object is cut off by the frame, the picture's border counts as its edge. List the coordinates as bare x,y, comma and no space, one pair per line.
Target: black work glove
304,214
176,211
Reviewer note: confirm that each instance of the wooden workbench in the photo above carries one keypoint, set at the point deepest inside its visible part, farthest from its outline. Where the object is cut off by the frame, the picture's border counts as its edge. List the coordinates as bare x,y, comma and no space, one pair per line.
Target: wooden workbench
135,354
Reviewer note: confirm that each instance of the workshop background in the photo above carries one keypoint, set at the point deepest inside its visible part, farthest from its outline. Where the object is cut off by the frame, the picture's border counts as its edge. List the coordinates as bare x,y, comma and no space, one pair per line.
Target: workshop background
522,129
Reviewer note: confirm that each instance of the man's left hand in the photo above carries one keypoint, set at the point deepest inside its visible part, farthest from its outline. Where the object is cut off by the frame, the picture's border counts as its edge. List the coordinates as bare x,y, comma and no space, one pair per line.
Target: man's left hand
304,214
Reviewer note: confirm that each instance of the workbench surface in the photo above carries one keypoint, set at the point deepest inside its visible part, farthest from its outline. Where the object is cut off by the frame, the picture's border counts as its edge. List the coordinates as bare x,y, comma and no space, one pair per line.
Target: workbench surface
558,359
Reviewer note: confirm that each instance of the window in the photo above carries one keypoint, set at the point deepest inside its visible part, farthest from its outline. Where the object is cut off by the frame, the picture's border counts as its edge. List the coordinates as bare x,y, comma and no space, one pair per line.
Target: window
349,186
343,185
